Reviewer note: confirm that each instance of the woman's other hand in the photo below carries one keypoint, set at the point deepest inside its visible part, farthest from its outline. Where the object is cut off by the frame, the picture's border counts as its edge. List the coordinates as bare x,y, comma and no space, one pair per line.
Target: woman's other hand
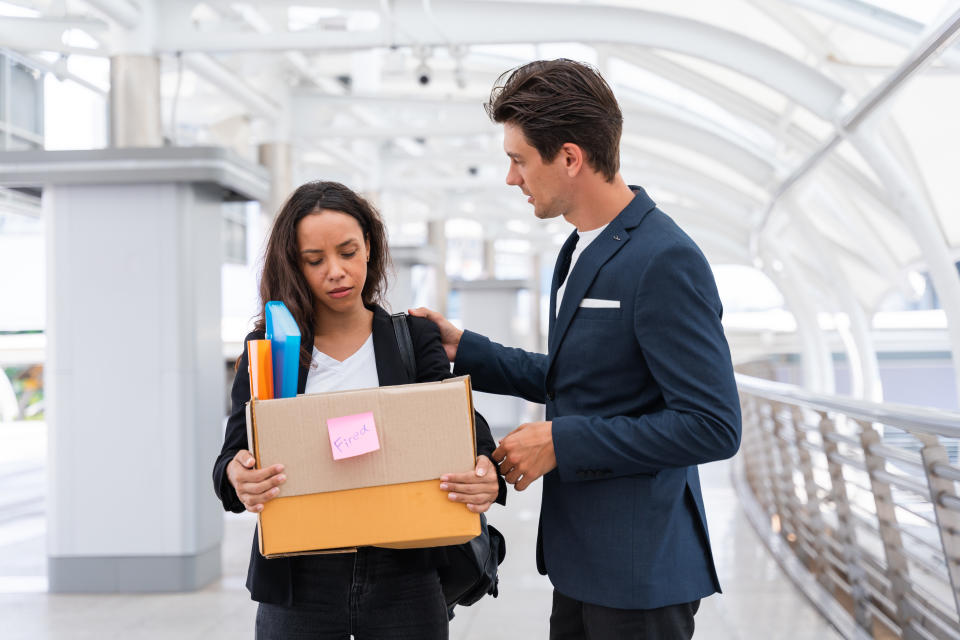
254,487
477,489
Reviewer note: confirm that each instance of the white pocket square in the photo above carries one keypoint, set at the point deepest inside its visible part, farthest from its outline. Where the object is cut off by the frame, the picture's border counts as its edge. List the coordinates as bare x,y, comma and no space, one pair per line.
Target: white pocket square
596,303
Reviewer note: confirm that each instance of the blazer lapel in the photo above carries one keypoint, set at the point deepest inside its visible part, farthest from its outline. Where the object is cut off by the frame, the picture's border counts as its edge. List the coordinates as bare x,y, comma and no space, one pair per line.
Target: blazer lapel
385,350
613,238
560,270
302,377
582,275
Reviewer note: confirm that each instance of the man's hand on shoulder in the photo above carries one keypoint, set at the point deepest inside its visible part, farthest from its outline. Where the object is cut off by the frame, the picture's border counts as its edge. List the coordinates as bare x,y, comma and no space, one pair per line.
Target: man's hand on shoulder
449,334
526,453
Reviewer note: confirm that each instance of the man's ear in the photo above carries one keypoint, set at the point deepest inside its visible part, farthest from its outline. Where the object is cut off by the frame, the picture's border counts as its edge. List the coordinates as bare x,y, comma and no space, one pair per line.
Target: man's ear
573,158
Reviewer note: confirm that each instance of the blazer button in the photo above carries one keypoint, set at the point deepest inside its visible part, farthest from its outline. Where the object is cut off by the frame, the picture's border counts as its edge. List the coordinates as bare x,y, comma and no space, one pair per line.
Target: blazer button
550,394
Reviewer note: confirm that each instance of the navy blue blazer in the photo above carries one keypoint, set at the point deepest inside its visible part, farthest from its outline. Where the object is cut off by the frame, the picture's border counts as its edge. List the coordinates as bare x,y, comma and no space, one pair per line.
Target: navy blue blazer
271,580
639,395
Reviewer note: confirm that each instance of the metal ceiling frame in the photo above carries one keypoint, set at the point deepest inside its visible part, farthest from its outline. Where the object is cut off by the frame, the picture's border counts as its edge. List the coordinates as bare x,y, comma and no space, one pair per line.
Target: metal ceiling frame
635,36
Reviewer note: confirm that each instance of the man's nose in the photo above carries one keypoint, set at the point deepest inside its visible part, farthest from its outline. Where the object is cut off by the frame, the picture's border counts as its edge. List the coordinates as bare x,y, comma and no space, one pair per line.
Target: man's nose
513,177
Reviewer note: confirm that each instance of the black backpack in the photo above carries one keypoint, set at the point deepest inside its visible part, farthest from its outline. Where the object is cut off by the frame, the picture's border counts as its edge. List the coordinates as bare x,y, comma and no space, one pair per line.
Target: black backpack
472,569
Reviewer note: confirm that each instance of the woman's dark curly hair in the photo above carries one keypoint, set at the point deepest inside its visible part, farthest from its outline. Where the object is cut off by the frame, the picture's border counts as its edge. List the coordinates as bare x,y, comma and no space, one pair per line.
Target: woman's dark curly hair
282,278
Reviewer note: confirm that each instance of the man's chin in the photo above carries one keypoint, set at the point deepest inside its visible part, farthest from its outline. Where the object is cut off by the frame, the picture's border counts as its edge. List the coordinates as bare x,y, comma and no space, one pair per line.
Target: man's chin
545,214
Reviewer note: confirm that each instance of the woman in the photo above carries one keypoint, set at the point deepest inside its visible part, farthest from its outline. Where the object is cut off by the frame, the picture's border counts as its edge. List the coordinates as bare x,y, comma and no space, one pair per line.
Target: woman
326,259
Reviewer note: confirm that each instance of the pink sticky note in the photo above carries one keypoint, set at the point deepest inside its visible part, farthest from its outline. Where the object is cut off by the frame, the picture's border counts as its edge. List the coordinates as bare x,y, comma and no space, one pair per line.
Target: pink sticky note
352,435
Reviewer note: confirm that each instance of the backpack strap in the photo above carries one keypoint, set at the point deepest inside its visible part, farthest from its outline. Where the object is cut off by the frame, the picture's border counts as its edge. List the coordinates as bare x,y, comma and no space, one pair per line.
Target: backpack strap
405,344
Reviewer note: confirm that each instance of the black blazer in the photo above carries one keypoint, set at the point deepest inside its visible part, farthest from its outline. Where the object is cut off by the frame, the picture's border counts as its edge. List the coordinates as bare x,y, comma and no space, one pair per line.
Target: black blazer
270,580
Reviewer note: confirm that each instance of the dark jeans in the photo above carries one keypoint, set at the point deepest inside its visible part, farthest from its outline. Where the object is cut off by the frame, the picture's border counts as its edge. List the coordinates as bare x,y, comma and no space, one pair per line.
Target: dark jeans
368,594
575,620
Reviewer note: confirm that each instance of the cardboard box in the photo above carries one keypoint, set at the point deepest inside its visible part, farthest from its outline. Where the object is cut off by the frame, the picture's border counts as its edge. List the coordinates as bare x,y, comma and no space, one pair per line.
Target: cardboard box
389,497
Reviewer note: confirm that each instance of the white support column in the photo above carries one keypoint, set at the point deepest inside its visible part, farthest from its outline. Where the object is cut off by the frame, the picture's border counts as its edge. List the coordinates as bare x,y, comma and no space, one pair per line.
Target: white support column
135,101
134,361
278,159
922,221
134,376
490,257
135,118
487,307
538,339
403,292
856,334
437,238
817,359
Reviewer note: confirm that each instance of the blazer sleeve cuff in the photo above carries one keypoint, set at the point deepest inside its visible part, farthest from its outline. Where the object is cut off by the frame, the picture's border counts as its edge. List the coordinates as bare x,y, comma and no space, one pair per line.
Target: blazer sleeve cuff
564,430
471,344
228,496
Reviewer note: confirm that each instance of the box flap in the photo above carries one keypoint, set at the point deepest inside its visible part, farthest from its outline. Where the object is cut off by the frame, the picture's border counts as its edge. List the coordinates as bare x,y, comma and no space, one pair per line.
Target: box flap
425,430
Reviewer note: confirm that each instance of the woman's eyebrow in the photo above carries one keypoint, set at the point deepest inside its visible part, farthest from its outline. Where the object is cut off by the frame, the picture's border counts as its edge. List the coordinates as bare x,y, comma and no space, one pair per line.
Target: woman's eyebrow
343,244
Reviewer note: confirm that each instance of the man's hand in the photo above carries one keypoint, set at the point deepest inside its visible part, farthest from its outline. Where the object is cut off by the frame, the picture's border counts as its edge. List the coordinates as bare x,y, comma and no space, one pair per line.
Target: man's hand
526,453
449,334
477,489
254,487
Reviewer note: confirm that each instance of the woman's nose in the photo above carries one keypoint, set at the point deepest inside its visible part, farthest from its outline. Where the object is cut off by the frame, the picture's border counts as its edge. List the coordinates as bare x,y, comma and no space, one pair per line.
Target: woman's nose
335,270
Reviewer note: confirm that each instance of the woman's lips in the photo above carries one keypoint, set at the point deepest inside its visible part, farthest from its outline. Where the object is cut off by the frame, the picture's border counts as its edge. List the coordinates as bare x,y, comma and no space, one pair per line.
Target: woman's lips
340,293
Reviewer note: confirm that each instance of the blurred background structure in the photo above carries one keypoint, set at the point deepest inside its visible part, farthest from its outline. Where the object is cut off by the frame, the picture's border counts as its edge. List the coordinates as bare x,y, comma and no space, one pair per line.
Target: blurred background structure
810,147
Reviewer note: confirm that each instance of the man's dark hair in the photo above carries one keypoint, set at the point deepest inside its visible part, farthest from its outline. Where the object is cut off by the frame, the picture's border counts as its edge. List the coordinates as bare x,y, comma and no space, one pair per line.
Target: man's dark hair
559,101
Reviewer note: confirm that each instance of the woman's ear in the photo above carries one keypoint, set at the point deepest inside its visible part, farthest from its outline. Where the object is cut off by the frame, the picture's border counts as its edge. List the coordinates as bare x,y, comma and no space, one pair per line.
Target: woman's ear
366,243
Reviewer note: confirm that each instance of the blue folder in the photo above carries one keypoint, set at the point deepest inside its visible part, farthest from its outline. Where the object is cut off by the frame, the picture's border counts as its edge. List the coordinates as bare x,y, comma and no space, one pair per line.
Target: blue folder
284,336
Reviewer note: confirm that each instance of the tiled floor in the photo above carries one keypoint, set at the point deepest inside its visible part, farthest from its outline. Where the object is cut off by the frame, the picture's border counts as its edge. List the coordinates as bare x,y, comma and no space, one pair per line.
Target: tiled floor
759,601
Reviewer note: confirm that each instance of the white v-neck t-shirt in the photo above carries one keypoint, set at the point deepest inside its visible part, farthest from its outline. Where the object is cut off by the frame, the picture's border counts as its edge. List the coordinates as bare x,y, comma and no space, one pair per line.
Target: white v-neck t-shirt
358,371
586,237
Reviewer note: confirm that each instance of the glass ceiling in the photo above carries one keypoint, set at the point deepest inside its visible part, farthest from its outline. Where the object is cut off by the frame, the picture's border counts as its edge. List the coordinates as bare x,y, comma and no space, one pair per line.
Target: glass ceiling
736,113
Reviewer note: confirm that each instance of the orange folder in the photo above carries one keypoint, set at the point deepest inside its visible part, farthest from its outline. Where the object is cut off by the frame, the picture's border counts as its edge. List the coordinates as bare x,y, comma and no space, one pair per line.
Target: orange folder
261,369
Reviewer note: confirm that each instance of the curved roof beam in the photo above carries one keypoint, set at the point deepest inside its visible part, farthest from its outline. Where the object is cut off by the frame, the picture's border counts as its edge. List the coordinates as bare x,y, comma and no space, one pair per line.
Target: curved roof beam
921,55
719,248
695,184
701,223
865,370
413,23
725,204
637,104
32,35
754,168
870,248
709,210
874,20
802,299
720,94
740,106
697,137
792,19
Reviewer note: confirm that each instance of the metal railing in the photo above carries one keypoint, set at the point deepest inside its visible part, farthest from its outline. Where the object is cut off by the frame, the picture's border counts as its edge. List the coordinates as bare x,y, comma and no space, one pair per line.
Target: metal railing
862,497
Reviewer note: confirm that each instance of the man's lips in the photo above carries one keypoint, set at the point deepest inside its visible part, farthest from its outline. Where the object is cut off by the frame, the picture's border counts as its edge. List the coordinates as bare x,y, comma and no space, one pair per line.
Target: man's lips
339,293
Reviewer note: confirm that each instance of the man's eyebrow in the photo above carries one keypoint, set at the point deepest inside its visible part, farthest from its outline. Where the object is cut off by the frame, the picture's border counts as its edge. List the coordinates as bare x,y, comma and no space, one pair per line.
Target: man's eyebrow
513,155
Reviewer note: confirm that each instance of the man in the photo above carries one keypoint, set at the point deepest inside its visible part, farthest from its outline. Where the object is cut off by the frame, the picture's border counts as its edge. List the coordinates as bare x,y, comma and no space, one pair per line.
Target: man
638,383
